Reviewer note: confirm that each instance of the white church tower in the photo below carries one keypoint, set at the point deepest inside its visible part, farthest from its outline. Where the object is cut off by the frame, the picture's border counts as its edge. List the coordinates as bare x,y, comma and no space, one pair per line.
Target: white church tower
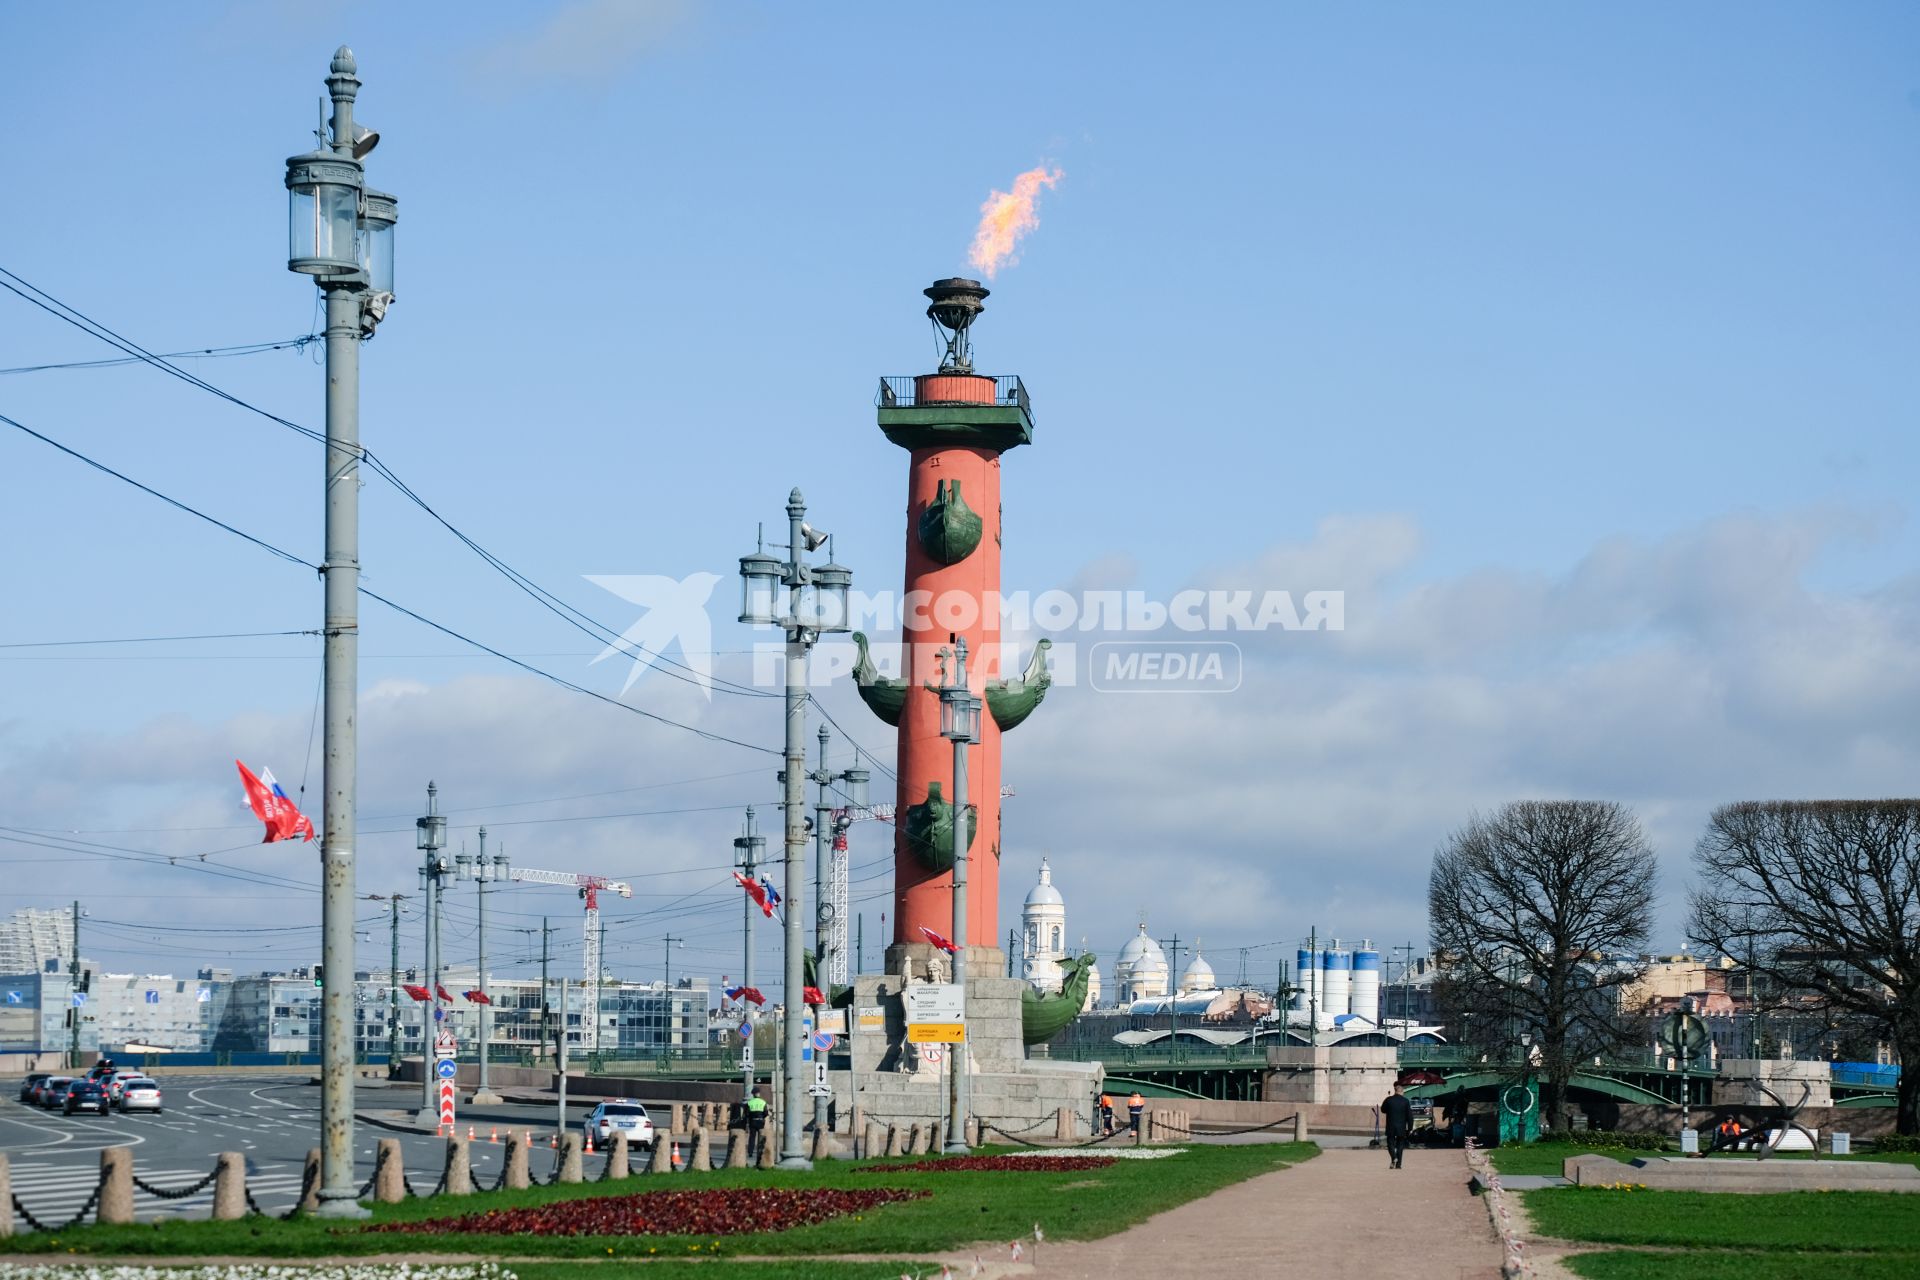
1044,919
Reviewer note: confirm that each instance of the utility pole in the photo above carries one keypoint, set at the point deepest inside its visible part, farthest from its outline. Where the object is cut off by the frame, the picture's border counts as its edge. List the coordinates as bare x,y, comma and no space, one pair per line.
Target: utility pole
960,725
483,870
393,984
74,1007
430,837
667,992
1312,983
546,1006
746,851
1173,990
861,945
341,233
1012,936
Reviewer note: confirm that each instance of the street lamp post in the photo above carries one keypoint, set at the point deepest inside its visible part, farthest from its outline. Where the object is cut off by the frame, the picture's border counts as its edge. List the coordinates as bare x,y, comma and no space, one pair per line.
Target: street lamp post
960,725
666,1022
430,837
341,234
828,943
747,852
816,605
481,870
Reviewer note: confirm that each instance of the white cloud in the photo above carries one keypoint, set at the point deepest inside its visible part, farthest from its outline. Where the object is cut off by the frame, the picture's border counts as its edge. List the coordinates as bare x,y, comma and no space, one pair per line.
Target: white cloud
589,39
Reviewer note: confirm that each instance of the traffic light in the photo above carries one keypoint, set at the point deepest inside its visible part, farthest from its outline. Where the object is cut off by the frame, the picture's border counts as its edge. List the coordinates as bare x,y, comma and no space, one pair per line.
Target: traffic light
319,975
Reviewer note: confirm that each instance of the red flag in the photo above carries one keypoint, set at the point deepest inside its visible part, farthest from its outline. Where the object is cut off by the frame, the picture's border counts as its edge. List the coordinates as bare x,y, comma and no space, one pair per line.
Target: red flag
418,993
755,892
943,943
746,994
272,806
443,994
812,996
477,996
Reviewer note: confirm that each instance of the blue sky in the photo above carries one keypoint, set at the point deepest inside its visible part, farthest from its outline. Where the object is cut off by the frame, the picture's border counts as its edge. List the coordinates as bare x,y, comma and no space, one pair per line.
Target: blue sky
1575,344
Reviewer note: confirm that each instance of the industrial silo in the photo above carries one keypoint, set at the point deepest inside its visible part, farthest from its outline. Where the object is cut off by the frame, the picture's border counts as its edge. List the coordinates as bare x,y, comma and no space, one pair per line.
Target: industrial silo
1336,981
1366,983
1306,971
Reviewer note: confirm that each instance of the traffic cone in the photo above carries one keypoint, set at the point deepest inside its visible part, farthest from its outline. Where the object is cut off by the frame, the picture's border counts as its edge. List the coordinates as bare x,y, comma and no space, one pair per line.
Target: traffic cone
529,1139
493,1135
553,1143
469,1133
589,1142
679,1165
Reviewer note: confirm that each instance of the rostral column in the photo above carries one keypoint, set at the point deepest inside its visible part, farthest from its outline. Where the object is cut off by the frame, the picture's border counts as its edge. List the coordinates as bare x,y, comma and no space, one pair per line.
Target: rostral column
954,424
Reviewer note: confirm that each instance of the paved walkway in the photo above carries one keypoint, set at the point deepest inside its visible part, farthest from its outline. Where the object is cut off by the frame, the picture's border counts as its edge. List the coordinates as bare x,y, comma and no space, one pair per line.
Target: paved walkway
1343,1213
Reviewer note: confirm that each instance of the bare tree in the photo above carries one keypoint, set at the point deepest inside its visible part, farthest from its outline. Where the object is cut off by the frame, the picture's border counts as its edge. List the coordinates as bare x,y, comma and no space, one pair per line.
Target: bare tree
1521,904
1822,900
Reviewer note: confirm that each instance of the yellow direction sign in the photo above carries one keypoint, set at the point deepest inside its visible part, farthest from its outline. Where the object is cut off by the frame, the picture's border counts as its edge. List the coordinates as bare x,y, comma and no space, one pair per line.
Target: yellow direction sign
936,1013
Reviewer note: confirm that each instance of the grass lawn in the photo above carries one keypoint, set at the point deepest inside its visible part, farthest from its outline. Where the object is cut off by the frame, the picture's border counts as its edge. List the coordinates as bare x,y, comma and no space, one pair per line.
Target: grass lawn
711,1270
1801,1221
1548,1157
1620,1264
964,1208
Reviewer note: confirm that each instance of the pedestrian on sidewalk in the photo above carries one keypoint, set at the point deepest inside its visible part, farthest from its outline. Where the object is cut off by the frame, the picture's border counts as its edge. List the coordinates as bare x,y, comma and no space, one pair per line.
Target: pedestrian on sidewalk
1106,1113
1135,1105
1397,1113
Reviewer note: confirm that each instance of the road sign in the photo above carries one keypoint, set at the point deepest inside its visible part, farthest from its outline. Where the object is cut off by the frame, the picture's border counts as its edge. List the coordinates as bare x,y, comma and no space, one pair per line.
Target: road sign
936,1013
445,1070
746,1031
446,1103
931,1055
823,1040
834,1020
444,1045
871,1017
820,1088
746,1055
806,1039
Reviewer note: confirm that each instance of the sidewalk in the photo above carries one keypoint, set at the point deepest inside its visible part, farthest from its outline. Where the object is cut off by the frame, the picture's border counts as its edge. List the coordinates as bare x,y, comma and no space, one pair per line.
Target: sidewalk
1343,1213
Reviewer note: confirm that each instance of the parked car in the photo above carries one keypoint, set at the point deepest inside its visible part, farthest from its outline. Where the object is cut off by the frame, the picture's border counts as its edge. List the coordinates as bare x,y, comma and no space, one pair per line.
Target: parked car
87,1095
53,1091
140,1094
31,1085
620,1116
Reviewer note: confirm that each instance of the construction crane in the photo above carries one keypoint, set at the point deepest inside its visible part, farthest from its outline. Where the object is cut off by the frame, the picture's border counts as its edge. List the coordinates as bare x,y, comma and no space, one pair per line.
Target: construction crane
590,887
842,820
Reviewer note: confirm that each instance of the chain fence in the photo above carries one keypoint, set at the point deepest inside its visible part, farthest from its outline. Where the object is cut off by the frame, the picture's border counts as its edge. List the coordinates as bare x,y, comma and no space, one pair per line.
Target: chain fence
85,1209
177,1193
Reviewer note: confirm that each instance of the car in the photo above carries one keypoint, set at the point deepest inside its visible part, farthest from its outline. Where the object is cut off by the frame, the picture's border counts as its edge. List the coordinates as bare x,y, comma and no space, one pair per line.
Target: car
87,1095
118,1081
53,1091
140,1094
31,1085
620,1115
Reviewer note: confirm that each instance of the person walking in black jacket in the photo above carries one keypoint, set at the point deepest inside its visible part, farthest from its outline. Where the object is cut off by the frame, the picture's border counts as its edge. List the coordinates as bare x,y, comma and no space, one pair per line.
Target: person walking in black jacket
1397,1114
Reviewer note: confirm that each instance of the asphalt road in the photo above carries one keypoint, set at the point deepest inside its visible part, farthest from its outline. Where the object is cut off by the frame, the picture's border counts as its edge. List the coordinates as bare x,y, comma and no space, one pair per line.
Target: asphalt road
272,1120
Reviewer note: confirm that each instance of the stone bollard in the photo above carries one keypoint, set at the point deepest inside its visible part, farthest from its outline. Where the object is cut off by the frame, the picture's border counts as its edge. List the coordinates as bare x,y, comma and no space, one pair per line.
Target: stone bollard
310,1180
517,1178
770,1146
894,1146
857,1129
661,1160
459,1167
977,1131
1299,1126
914,1139
876,1140
389,1173
570,1158
1063,1125
700,1160
822,1146
6,1197
677,1117
116,1186
737,1149
617,1155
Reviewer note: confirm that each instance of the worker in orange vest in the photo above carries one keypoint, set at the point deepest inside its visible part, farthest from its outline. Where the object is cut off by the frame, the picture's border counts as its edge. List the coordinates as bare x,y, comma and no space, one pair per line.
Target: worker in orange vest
1106,1114
1135,1105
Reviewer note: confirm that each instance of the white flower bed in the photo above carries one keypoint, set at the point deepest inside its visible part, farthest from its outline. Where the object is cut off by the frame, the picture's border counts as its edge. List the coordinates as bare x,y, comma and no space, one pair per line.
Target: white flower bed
1118,1153
262,1270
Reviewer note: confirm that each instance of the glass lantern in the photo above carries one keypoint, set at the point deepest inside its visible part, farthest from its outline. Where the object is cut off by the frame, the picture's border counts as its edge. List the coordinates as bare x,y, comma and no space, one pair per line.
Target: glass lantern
959,715
501,868
831,583
378,214
323,214
760,576
462,867
430,832
857,786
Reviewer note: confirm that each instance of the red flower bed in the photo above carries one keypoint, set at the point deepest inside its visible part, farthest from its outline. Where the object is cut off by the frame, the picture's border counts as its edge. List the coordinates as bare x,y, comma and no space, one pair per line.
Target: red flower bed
664,1213
995,1164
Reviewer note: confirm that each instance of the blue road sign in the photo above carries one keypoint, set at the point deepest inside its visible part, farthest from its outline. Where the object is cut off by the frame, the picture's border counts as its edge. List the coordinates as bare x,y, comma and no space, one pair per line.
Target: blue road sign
446,1069
823,1040
806,1039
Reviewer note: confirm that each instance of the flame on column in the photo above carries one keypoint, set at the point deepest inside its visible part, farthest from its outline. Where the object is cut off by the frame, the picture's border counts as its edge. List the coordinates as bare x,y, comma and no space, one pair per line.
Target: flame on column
1006,217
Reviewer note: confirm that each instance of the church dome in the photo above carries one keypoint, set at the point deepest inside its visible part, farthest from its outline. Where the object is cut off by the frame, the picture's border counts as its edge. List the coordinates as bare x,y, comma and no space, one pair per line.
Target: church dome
1141,949
1044,894
1198,976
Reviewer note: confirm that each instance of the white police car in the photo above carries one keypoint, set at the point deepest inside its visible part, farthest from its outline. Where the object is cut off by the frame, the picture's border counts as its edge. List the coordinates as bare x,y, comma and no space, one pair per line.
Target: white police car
620,1116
